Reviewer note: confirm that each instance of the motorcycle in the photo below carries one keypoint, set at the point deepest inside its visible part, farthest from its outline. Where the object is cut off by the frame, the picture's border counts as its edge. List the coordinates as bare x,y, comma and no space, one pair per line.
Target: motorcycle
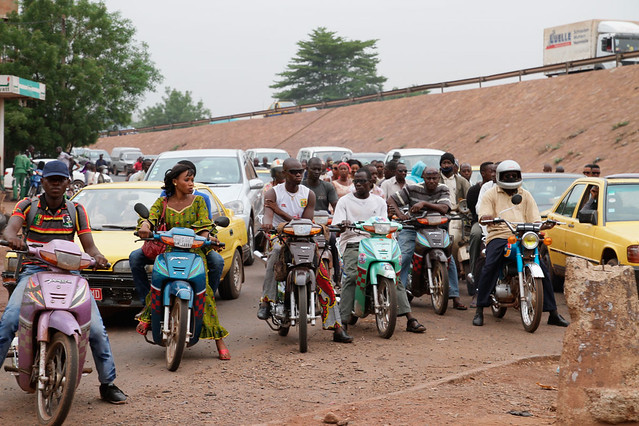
35,188
296,300
377,268
53,334
433,247
520,281
463,253
178,287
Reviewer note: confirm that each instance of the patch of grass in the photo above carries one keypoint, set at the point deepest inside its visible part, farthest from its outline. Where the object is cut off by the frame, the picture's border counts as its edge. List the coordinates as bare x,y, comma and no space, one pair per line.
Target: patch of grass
596,160
402,146
619,139
380,139
620,124
559,160
480,137
577,133
175,148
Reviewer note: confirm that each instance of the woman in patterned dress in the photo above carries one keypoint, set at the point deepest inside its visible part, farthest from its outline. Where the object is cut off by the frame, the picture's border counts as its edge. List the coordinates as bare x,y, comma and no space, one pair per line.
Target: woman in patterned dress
186,210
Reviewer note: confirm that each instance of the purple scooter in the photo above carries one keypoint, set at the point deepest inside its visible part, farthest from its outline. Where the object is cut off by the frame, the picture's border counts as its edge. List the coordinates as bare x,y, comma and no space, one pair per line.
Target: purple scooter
53,334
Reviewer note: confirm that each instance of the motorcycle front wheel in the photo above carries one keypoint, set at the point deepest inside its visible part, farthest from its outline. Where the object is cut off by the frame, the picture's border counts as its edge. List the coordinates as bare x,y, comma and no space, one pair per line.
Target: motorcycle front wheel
386,315
176,340
61,368
302,305
439,294
532,301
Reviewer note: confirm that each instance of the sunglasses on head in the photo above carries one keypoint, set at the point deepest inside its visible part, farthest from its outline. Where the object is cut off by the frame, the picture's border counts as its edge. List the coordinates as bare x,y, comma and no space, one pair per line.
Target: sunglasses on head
296,171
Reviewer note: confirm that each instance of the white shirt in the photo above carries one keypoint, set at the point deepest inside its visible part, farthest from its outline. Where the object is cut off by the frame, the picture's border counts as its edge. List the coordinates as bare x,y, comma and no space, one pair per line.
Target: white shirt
485,187
451,183
293,204
391,186
354,209
137,176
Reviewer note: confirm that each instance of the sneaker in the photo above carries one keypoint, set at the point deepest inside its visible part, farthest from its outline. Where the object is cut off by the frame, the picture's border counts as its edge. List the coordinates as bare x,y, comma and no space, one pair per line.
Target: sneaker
111,393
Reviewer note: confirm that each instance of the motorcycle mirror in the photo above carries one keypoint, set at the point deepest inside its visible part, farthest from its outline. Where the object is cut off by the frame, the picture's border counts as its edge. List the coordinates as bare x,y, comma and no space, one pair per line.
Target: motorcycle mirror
463,206
516,199
141,210
222,221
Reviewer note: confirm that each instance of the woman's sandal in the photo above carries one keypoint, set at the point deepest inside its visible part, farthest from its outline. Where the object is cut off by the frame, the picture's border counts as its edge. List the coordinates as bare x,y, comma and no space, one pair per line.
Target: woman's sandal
143,328
460,306
224,354
414,326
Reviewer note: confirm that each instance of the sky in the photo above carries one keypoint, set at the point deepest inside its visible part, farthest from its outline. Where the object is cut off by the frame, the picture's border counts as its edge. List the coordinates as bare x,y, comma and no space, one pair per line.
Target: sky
227,53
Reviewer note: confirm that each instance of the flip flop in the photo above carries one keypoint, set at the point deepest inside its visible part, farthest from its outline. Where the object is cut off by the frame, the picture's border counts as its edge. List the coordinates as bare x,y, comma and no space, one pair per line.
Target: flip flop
143,328
224,354
460,306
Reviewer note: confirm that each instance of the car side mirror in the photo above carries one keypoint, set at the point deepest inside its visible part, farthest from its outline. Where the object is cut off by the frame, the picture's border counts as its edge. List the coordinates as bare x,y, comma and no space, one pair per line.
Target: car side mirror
256,184
222,221
587,216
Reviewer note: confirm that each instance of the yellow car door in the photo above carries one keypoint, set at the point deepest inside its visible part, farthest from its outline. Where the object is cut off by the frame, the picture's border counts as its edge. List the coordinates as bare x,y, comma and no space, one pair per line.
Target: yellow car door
580,241
566,212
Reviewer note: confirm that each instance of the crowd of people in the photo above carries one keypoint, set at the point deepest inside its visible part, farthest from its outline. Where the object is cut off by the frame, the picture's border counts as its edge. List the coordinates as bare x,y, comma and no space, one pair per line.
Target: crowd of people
351,190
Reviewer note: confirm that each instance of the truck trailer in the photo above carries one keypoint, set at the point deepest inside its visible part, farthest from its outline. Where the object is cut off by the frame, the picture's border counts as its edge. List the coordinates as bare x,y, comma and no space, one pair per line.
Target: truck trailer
590,39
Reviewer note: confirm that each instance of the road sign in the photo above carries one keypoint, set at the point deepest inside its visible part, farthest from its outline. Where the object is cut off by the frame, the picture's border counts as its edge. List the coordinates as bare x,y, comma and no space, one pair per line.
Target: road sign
17,87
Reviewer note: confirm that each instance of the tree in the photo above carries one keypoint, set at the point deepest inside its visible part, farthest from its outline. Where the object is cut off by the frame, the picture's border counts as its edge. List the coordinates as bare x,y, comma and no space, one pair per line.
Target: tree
176,107
94,71
328,67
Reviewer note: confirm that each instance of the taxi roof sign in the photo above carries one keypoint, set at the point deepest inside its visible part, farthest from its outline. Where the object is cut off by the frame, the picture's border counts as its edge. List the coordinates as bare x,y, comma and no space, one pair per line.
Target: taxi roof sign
12,87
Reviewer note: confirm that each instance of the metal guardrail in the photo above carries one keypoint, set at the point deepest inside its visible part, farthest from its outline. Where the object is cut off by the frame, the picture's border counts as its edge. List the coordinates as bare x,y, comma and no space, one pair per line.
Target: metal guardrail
564,66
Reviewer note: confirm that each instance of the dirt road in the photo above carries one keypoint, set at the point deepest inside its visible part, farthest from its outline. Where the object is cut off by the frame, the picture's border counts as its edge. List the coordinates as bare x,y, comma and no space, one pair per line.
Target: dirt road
454,373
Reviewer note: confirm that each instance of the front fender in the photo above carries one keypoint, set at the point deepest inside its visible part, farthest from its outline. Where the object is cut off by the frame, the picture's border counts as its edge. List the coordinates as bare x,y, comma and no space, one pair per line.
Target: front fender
300,276
63,321
535,270
383,269
180,289
435,256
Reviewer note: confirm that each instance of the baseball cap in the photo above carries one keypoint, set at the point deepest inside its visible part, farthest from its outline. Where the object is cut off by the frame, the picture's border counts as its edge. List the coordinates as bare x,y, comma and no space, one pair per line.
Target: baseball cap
55,168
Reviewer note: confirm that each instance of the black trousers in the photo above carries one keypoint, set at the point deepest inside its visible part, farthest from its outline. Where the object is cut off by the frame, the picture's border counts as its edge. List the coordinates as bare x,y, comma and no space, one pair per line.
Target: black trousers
494,262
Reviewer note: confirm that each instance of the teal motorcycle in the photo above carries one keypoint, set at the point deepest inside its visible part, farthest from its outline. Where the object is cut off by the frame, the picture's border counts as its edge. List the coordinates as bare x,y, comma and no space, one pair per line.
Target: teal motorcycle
378,265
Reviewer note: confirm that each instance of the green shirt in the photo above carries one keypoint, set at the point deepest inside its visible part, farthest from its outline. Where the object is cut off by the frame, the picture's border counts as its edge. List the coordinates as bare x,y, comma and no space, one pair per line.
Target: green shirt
21,164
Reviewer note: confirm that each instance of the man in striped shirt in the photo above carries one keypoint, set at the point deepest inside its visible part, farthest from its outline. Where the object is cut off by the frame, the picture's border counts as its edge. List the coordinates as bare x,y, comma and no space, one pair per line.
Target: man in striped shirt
433,196
57,218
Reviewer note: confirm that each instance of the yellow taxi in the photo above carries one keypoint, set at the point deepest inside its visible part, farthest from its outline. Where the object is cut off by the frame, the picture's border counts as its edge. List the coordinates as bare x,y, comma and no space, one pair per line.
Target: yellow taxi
602,224
113,220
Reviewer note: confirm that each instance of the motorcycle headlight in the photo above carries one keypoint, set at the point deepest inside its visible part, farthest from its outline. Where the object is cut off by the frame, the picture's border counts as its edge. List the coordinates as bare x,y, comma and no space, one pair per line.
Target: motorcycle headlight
530,240
122,267
236,205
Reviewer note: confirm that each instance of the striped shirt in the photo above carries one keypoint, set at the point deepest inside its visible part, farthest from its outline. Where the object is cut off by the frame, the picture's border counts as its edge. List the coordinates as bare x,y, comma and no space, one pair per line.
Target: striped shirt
412,194
52,225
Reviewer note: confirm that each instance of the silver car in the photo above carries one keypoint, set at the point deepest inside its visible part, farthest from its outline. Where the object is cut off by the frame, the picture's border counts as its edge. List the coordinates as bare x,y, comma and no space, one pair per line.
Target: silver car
231,176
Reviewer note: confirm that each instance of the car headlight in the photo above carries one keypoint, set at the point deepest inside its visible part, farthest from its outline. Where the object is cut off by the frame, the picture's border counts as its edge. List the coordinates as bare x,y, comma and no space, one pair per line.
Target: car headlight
530,240
122,267
237,206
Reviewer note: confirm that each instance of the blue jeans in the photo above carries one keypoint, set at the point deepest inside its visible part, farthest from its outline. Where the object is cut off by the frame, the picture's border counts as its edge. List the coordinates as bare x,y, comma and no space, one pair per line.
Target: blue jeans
138,261
98,338
406,240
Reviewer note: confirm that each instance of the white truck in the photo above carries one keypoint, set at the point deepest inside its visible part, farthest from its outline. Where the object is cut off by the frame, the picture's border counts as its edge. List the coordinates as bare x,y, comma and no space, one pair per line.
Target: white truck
590,39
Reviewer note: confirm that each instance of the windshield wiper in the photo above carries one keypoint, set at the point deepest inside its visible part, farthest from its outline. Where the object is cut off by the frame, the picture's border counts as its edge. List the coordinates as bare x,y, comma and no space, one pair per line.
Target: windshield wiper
123,227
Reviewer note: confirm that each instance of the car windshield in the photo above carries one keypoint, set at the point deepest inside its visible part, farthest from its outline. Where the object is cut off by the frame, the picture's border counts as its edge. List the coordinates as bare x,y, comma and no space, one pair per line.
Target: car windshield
112,209
626,44
210,170
622,202
265,175
431,160
132,155
334,155
271,156
367,158
546,191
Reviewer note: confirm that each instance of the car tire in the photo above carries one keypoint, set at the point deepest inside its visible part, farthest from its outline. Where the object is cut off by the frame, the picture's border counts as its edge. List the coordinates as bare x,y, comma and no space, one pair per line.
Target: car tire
231,285
250,234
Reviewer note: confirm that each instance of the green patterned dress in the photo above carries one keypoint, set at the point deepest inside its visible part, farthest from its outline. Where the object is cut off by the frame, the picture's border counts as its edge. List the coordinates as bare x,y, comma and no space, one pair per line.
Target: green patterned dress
196,217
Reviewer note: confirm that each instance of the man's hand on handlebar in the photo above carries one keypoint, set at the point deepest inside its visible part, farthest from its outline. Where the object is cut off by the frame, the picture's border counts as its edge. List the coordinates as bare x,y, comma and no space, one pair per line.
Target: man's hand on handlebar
416,208
267,227
17,243
145,231
486,218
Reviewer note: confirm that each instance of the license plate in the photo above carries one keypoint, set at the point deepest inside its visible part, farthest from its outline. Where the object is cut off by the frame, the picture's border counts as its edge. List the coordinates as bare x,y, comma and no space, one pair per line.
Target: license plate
97,293
182,241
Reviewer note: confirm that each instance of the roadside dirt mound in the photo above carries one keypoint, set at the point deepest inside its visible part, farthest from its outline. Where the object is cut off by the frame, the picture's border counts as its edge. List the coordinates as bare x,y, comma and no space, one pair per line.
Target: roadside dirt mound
568,120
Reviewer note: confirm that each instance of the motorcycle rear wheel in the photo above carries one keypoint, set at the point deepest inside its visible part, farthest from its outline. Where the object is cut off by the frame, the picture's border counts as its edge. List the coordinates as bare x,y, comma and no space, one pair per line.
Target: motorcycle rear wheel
386,318
61,366
439,296
176,341
302,305
532,305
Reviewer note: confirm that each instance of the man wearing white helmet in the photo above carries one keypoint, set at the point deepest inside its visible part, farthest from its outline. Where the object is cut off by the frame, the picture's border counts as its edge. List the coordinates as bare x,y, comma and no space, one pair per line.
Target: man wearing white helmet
497,203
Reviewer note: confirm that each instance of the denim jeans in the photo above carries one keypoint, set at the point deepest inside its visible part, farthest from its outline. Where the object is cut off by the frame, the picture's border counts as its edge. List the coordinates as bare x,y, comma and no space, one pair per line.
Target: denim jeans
406,240
138,262
98,338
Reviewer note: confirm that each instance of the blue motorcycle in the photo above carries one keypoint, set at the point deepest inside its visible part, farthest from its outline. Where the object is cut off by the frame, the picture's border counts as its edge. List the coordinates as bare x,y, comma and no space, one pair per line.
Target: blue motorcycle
35,187
178,287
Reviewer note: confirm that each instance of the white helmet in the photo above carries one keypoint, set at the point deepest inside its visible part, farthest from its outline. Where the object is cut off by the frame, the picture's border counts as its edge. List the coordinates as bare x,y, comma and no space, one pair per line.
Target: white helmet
508,166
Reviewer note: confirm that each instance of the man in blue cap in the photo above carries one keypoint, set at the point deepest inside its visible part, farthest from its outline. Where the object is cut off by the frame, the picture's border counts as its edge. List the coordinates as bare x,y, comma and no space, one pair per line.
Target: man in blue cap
57,218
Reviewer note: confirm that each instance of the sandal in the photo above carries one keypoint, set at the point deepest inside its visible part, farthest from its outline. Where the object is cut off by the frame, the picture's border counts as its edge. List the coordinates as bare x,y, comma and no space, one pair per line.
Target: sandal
224,354
143,328
459,306
414,326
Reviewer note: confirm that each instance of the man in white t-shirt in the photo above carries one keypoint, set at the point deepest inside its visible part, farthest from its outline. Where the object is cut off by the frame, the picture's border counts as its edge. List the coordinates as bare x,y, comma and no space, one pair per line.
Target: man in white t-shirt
353,207
283,203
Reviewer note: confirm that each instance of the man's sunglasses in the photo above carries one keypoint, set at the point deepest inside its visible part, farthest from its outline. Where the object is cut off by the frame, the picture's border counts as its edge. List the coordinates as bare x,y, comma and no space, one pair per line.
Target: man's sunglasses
361,181
296,171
